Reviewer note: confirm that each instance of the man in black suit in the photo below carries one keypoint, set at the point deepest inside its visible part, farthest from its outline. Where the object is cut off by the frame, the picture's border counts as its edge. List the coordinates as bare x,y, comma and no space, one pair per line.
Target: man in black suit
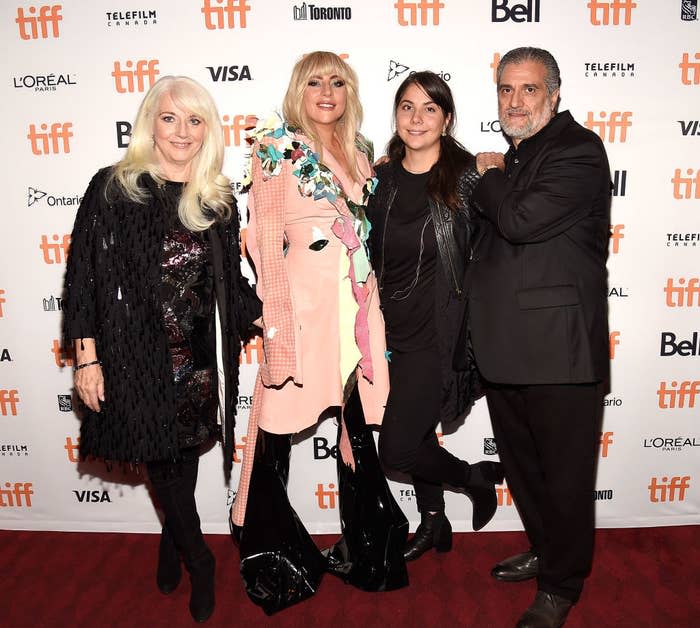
538,316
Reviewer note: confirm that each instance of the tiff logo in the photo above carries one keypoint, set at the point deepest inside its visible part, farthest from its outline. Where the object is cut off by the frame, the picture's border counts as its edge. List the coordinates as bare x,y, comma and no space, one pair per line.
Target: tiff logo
668,491
500,12
424,8
46,142
682,295
605,442
494,65
616,234
683,186
18,495
145,68
233,130
72,449
618,120
39,25
675,396
55,252
614,341
326,497
8,402
602,12
504,496
255,346
63,356
214,16
2,300
239,447
619,183
690,70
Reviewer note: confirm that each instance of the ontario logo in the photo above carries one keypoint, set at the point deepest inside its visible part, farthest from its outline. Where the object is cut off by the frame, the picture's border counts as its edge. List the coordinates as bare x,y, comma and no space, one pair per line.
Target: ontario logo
397,69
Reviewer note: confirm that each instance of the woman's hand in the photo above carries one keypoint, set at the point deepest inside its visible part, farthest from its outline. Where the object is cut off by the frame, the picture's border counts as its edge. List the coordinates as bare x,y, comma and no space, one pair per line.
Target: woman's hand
90,386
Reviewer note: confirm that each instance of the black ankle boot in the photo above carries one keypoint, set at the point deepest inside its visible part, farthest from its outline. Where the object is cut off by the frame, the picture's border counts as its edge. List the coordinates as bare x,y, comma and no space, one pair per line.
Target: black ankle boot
480,488
202,599
434,531
169,570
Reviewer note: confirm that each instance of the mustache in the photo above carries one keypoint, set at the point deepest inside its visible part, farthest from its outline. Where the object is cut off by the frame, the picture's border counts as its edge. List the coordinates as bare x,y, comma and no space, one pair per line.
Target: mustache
517,110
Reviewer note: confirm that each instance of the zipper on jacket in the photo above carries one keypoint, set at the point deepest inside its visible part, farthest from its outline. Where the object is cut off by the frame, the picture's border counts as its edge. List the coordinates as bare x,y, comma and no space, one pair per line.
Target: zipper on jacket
392,196
443,227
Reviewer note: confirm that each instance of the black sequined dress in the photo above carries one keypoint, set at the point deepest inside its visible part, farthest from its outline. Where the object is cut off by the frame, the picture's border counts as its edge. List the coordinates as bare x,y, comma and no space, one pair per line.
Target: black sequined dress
187,297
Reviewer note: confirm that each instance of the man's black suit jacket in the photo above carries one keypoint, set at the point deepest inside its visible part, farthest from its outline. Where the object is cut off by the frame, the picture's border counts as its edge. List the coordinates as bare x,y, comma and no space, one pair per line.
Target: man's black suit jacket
538,283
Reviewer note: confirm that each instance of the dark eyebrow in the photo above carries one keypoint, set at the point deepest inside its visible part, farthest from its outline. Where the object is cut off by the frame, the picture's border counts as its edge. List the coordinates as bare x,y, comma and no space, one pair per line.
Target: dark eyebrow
427,102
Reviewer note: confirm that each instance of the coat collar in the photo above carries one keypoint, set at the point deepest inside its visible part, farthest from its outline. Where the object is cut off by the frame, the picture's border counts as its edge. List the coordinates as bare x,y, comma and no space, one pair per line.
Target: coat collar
532,145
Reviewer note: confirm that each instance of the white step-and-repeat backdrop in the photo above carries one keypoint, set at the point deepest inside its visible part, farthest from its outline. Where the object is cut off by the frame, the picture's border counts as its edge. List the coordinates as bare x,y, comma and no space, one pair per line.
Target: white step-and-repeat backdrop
73,74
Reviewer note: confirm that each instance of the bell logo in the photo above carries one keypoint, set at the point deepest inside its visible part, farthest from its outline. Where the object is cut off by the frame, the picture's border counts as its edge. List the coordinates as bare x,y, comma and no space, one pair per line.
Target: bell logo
72,448
247,350
17,495
130,79
239,447
56,251
614,340
503,496
61,355
33,26
683,186
690,70
424,8
605,442
500,12
675,396
322,450
603,12
662,491
214,16
494,66
683,295
8,402
46,142
233,131
326,497
2,300
616,234
618,120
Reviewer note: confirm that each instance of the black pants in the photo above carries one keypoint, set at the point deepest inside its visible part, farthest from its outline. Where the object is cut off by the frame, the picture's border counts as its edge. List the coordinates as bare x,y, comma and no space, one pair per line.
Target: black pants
547,439
407,441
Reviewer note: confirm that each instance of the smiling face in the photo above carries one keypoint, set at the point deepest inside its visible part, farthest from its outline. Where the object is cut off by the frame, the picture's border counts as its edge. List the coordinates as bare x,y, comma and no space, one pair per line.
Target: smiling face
420,122
325,98
524,106
178,137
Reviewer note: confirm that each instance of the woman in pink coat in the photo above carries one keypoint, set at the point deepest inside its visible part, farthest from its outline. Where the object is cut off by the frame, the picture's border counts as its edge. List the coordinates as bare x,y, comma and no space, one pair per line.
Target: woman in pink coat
323,337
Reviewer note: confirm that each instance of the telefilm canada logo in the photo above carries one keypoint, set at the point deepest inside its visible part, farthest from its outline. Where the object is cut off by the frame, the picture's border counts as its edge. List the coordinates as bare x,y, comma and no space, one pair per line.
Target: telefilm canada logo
609,69
36,195
131,19
44,82
315,12
14,450
683,239
398,69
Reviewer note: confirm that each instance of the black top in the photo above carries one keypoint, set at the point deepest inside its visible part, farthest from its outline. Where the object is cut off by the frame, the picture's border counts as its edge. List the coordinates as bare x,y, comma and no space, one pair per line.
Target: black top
410,259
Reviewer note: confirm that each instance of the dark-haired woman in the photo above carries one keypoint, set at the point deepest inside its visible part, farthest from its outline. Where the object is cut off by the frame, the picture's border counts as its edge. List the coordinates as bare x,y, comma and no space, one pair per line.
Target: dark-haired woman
421,241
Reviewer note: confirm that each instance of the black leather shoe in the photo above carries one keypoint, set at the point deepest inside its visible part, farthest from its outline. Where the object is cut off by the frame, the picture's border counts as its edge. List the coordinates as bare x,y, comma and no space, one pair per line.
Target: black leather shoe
517,568
434,531
481,489
547,611
169,569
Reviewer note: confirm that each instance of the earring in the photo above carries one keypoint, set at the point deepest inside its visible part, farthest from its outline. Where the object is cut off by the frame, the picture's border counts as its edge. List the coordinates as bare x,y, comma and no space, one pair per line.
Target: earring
444,133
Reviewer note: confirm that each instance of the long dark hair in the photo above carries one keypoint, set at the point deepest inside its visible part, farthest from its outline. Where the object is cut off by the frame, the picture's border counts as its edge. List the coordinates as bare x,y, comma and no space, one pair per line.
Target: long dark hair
454,158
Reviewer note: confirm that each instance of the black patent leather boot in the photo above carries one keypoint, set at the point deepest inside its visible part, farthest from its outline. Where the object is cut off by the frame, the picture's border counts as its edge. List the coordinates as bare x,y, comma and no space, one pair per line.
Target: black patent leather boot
169,570
481,479
434,531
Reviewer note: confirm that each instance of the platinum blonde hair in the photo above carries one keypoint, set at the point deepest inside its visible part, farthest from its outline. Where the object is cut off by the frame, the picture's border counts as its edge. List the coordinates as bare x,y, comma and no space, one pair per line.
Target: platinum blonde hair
322,63
207,196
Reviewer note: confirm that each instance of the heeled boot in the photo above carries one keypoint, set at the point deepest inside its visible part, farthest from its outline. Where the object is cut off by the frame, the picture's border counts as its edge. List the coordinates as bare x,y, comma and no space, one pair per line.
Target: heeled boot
480,481
202,599
435,531
169,570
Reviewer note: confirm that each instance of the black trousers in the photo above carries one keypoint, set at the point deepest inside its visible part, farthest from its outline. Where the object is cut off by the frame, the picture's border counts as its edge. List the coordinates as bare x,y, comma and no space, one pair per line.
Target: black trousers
547,439
407,440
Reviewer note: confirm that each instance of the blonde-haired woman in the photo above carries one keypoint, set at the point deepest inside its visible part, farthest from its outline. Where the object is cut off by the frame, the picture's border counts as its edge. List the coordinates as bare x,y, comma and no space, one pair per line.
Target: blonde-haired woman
154,254
323,339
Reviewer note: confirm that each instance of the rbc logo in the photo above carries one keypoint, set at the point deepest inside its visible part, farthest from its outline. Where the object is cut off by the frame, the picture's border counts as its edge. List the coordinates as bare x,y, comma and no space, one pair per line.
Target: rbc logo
39,25
528,12
135,78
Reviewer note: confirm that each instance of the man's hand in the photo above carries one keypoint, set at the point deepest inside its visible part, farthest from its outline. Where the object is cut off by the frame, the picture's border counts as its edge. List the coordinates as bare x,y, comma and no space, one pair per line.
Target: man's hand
486,161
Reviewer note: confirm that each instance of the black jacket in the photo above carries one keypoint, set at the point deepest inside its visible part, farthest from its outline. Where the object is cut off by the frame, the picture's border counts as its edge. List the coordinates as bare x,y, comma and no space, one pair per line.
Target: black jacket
111,294
454,231
538,290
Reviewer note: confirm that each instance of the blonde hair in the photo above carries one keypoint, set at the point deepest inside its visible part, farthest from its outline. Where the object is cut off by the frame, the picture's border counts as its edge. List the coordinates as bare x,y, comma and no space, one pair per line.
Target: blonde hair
207,195
322,63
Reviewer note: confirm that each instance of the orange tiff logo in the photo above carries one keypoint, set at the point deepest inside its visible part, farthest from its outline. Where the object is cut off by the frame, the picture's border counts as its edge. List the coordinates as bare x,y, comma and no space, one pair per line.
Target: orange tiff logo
240,447
494,66
690,70
56,251
616,234
63,356
234,130
683,186
255,346
33,26
244,242
605,442
614,340
223,15
53,141
504,496
603,12
682,295
8,402
16,495
2,300
327,497
607,129
422,8
665,491
133,78
72,449
673,396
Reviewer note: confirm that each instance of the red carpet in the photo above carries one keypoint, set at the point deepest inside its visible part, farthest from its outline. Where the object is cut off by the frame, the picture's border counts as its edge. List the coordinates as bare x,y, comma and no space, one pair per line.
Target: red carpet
641,578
